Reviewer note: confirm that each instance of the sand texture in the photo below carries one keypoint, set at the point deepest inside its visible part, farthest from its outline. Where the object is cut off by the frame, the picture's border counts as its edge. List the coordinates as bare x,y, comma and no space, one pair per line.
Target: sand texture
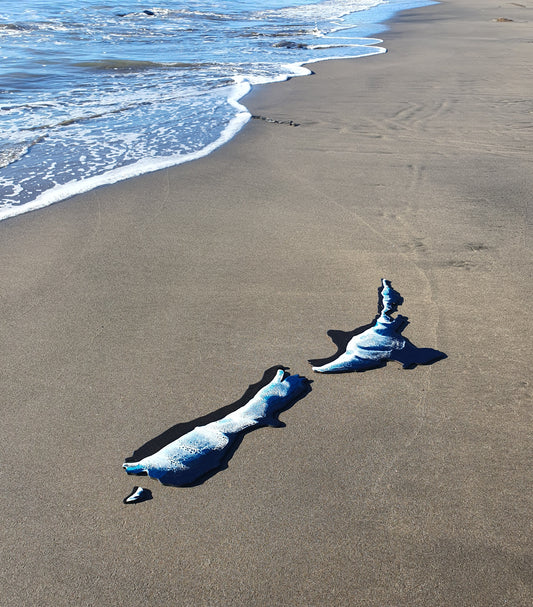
136,311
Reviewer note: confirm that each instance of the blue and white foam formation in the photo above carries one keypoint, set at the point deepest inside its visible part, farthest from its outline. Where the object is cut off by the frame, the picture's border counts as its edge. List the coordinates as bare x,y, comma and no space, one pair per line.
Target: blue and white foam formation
94,92
202,450
377,344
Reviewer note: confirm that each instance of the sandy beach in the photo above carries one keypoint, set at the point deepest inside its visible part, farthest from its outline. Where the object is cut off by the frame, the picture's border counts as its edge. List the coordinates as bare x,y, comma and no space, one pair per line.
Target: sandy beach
142,307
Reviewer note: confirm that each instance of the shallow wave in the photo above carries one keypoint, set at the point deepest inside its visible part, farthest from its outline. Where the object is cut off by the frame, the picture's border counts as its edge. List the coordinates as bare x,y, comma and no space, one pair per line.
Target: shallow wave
275,34
13,27
137,65
174,13
321,47
326,10
23,28
140,167
9,154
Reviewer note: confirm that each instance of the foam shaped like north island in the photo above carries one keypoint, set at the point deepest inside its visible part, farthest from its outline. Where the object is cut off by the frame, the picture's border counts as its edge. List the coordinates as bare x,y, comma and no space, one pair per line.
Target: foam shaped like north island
196,453
381,342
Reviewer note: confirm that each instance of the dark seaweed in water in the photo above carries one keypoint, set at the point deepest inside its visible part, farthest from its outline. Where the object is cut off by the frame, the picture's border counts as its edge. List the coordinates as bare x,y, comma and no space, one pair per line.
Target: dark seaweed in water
145,12
289,44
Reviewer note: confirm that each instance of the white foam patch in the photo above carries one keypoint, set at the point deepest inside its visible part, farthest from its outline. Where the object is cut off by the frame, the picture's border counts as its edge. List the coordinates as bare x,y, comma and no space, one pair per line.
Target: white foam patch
382,342
327,10
201,450
377,344
140,167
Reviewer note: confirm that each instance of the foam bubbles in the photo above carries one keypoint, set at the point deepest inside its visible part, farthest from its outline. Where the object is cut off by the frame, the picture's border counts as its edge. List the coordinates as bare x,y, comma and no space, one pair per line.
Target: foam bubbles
202,450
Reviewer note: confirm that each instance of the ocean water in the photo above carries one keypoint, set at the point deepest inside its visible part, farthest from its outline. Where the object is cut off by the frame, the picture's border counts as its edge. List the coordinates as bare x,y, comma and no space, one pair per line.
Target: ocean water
95,91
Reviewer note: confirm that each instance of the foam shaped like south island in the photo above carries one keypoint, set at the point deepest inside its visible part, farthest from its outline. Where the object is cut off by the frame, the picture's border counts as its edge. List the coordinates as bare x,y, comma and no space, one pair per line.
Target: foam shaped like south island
381,342
203,449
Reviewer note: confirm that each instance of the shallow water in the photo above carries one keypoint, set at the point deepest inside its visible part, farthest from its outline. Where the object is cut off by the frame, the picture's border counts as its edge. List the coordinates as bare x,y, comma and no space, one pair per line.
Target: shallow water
93,92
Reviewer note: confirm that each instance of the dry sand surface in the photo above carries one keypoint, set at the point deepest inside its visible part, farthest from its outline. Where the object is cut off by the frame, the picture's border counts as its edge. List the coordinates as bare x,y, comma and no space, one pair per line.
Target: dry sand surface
145,305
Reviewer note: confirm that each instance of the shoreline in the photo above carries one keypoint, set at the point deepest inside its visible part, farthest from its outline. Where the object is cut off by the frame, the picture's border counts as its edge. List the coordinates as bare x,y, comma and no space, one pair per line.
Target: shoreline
123,320
62,193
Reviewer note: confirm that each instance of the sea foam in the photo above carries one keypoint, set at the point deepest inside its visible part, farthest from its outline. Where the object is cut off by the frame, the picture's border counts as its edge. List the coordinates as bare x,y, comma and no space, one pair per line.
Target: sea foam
200,451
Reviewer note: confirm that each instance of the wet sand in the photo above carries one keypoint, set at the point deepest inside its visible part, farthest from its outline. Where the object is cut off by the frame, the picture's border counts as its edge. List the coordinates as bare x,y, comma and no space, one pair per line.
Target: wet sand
138,307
